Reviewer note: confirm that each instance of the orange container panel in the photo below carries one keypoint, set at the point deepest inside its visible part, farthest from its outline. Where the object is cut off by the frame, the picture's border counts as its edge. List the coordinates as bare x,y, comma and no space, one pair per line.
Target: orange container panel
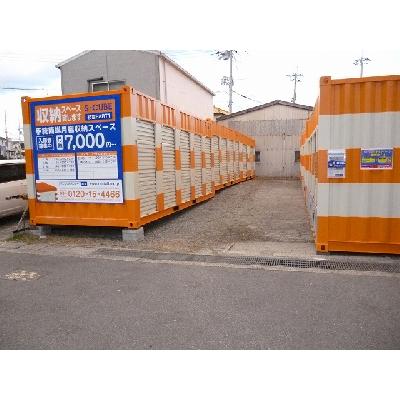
350,165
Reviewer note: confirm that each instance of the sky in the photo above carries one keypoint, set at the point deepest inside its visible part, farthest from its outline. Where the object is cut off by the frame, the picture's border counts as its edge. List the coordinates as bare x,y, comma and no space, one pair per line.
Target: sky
260,75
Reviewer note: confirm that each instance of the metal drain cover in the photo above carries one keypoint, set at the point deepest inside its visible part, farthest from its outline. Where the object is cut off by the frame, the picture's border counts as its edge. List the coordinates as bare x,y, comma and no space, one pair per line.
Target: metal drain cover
21,275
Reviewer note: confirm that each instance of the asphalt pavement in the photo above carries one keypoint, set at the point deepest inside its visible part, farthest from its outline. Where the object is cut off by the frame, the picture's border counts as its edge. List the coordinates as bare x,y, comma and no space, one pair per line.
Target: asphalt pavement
88,303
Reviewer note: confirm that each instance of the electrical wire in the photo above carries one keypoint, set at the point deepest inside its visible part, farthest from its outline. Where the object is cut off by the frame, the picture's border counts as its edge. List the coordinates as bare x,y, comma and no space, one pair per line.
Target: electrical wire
246,97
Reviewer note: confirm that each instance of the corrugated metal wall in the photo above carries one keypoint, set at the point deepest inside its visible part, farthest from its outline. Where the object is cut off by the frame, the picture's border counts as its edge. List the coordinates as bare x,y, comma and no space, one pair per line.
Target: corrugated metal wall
169,181
147,167
277,141
215,152
207,169
223,163
358,209
197,164
185,165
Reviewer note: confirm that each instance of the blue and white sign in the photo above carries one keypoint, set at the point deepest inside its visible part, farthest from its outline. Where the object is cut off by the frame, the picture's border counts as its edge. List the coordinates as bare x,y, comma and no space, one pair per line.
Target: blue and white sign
376,159
77,149
337,163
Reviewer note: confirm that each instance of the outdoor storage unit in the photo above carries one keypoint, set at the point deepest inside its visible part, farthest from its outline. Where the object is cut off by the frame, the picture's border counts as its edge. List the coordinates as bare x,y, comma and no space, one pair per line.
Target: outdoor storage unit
350,165
121,158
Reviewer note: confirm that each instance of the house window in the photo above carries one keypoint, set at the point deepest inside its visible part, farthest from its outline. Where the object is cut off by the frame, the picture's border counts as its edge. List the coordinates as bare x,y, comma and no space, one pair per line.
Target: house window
100,85
258,158
297,156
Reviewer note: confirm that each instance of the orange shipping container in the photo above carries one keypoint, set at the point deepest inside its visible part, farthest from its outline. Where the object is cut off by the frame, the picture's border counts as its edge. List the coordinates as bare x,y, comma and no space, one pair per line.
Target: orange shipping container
350,165
121,158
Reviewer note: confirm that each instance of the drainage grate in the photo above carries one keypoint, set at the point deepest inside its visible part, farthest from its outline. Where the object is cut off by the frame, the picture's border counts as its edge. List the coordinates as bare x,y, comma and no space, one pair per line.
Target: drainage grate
21,275
255,260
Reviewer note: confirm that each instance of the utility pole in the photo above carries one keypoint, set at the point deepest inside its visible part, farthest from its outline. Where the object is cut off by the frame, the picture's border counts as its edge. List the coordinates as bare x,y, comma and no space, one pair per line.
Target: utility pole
295,77
228,55
361,61
6,132
230,81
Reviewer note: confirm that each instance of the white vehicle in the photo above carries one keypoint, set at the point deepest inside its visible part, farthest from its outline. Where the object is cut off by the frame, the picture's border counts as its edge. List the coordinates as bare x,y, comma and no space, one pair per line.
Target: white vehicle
12,183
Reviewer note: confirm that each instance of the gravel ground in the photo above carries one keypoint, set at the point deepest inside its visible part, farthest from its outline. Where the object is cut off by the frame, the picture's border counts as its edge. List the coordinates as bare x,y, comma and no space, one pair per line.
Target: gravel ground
260,210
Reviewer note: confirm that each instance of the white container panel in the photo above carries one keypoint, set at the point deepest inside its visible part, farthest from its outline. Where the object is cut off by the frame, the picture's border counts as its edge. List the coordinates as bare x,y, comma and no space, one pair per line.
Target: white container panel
207,170
223,165
147,167
197,165
185,165
169,179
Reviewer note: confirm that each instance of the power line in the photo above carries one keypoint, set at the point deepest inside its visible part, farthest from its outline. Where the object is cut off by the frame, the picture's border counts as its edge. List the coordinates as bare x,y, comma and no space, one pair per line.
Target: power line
32,57
246,97
188,53
239,94
18,88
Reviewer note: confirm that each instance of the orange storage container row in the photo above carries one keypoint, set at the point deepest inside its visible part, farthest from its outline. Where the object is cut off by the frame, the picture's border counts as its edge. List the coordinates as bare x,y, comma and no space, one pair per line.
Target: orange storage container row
169,160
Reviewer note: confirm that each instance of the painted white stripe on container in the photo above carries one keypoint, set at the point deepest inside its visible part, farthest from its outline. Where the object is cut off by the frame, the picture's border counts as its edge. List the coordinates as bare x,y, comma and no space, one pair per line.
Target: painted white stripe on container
30,185
367,130
129,133
131,185
359,199
27,136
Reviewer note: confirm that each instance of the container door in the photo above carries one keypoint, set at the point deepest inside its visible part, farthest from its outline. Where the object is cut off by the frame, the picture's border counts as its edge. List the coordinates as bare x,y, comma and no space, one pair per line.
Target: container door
185,165
248,159
230,163
207,170
215,171
147,167
197,164
169,180
223,166
237,165
244,160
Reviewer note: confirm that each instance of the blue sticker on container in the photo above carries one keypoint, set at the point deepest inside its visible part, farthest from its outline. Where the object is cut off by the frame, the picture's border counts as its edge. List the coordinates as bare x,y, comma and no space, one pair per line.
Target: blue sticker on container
376,159
337,163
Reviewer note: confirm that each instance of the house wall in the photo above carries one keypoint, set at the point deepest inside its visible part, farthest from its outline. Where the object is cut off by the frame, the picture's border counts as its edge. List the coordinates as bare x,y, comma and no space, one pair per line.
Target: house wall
178,90
276,130
137,68
275,112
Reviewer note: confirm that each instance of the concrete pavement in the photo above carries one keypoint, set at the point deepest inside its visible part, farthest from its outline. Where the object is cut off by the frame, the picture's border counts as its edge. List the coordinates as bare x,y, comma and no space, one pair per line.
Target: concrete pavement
93,303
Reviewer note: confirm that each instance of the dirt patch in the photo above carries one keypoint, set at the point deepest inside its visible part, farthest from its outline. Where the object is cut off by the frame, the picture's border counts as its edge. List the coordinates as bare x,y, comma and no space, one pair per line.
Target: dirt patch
261,210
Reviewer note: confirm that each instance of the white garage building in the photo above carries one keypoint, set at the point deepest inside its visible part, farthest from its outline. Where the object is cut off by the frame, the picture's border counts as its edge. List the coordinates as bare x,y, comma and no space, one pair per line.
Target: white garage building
277,127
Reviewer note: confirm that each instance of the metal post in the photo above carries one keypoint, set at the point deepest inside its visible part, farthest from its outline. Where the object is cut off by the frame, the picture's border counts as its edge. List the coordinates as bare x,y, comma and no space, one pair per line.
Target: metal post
361,61
295,87
230,80
5,127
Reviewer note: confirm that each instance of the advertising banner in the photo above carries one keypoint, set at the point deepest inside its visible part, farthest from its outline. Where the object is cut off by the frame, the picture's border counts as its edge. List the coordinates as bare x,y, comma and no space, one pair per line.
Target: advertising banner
376,159
77,149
